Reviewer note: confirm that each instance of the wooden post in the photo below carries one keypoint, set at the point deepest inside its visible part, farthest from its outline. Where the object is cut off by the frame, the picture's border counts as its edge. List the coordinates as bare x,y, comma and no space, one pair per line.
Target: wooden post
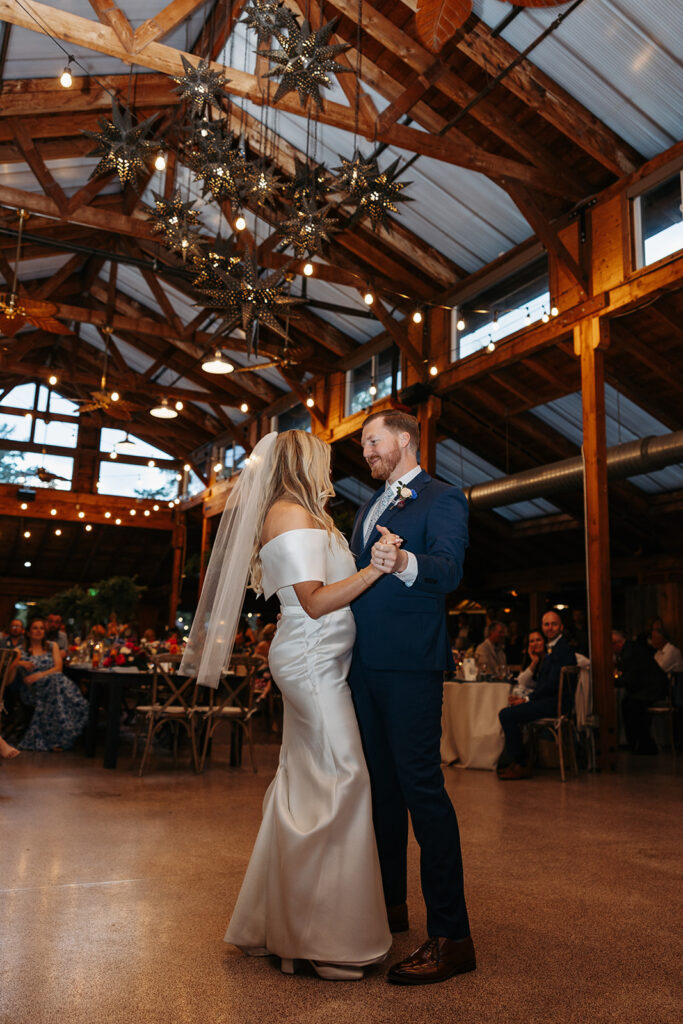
591,338
176,580
428,416
204,550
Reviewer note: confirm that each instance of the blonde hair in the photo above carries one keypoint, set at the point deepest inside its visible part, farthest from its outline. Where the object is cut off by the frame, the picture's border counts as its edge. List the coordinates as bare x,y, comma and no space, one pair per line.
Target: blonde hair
300,473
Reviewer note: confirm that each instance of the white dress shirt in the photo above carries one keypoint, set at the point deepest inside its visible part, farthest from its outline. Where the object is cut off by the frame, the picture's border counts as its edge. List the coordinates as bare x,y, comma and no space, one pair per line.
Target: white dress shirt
669,658
409,574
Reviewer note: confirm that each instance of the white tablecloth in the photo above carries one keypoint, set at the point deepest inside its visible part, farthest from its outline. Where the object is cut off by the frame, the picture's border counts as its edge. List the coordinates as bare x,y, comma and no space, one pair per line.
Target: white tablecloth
471,732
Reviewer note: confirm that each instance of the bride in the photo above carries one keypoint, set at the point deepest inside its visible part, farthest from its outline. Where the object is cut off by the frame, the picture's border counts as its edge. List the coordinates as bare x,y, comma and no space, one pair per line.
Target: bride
313,888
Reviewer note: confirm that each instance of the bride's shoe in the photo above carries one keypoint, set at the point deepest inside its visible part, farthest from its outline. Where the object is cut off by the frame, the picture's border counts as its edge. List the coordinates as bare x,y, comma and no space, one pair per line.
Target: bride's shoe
329,972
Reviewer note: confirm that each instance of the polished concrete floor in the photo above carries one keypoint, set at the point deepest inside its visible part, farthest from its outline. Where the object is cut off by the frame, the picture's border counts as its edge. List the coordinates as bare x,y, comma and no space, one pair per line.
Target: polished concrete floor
115,893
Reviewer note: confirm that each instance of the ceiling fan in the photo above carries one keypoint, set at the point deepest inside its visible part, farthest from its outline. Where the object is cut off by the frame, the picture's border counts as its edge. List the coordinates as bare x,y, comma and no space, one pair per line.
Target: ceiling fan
16,311
106,400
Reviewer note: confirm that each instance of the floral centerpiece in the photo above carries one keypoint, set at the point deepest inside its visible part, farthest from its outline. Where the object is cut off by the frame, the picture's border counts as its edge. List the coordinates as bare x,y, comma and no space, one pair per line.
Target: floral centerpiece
126,655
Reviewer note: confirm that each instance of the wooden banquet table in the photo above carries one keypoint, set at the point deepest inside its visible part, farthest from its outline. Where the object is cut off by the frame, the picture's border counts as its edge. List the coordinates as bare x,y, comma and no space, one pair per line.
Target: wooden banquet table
471,735
98,680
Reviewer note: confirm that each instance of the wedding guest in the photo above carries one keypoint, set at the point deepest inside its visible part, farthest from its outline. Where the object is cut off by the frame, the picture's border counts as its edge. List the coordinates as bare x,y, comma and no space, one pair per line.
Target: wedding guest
463,638
644,682
668,657
542,701
490,655
60,711
535,653
7,751
14,638
55,632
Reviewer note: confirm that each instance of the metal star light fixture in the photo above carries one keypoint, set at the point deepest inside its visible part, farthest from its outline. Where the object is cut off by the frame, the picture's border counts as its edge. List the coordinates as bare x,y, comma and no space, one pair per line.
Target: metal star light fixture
307,229
121,145
304,60
200,85
373,192
177,221
266,17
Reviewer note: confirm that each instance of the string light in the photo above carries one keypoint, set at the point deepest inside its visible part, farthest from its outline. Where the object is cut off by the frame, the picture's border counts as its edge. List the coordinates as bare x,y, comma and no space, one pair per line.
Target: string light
23,506
308,269
310,401
28,415
244,407
240,223
27,534
171,504
58,533
132,512
373,388
368,298
491,347
88,527
179,476
179,406
460,324
113,454
417,317
187,467
27,565
160,162
147,512
66,79
545,317
118,522
554,311
218,467
53,511
155,508
527,318
107,515
433,371
52,380
151,463
81,515
115,396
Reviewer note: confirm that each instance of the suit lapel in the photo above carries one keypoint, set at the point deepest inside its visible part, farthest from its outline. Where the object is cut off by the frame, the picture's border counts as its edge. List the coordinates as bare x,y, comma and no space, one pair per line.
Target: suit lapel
356,545
417,483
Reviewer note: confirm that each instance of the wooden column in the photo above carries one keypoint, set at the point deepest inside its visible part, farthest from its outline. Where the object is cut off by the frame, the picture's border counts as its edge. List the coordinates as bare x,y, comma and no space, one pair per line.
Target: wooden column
591,338
86,457
428,416
176,578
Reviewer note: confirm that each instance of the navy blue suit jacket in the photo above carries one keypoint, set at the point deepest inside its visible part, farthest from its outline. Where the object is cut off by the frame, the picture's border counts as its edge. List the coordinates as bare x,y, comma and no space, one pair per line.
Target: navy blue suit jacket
549,673
404,628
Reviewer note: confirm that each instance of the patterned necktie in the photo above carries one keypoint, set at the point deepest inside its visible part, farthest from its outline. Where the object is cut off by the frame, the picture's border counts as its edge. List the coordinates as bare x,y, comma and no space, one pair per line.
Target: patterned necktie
380,506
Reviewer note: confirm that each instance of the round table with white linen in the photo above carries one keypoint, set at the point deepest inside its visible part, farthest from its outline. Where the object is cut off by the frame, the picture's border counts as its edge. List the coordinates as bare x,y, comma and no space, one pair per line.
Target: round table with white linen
471,735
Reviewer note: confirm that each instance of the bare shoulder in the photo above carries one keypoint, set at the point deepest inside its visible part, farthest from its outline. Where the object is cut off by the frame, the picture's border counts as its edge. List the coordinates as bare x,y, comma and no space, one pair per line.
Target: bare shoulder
284,516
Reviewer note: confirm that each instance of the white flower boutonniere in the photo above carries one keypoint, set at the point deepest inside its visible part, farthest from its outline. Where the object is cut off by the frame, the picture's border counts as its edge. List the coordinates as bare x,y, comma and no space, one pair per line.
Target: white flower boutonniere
404,494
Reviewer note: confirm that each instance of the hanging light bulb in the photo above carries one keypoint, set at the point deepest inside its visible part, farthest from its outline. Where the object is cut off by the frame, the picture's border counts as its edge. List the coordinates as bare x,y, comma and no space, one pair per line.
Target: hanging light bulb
545,317
53,511
118,522
23,506
554,311
107,515
81,515
308,268
66,79
132,512
52,380
160,162
368,298
460,324
58,533
218,466
155,508
491,347
310,401
115,396
417,316
218,364
163,411
27,534
147,512
433,371
28,415
151,463
88,527
187,467
373,388
527,318
244,407
113,454
240,223
179,406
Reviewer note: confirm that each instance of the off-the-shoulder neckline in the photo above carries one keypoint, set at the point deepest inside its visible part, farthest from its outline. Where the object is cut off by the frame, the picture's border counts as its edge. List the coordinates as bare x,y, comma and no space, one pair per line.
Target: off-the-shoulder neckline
300,529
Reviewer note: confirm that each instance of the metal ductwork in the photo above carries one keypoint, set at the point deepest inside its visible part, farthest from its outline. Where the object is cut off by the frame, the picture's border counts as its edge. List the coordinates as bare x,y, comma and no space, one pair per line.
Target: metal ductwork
642,456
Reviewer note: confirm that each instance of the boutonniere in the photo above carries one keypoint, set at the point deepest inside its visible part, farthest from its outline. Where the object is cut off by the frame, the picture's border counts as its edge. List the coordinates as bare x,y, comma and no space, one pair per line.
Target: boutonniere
403,494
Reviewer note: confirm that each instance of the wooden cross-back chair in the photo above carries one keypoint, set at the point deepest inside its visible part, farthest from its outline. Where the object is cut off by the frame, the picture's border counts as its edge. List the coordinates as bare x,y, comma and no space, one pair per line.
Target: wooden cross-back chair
561,724
232,701
172,702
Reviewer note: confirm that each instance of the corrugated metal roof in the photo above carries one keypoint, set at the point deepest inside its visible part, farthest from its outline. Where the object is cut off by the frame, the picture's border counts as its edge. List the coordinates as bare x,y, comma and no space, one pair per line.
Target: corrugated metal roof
624,421
619,58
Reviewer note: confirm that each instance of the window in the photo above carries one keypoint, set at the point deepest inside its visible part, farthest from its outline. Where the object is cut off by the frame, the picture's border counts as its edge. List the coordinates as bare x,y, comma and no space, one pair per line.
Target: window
658,221
109,438
377,374
137,481
296,418
508,306
36,470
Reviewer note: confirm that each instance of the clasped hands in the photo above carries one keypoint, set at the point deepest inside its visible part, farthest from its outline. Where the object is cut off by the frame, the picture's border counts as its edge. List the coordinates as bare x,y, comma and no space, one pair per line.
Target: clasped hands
387,555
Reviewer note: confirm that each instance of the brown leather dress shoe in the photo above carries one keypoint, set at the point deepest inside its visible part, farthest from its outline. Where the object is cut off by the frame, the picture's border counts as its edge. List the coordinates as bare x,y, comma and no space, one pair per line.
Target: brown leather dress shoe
514,771
397,916
435,960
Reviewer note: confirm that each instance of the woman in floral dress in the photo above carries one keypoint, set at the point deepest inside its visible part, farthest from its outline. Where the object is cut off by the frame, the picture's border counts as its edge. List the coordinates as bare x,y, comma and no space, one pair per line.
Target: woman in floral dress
60,710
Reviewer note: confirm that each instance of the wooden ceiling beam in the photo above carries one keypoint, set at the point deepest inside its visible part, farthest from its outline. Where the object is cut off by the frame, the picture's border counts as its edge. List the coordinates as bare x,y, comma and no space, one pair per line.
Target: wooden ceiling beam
164,22
51,284
89,216
37,98
41,172
111,15
399,333
217,28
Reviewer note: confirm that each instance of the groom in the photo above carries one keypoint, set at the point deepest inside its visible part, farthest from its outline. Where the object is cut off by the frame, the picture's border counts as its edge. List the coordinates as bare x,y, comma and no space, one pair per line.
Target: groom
402,649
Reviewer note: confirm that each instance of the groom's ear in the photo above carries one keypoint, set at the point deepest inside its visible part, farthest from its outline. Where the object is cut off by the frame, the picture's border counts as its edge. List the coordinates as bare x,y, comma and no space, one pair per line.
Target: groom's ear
404,439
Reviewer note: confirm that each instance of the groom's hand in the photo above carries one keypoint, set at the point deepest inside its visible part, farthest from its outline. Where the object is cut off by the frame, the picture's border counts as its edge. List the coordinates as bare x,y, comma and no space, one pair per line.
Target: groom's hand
386,553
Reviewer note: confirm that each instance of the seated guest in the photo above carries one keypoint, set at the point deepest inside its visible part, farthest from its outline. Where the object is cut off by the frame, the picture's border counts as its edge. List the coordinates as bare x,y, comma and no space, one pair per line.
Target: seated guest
60,710
644,682
15,635
542,701
55,632
490,655
535,653
668,657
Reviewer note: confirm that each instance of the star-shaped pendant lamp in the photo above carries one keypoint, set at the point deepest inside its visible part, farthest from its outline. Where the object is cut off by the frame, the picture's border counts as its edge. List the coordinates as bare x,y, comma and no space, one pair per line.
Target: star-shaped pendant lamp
219,255
200,85
266,17
303,61
374,193
251,300
311,181
177,222
307,229
121,145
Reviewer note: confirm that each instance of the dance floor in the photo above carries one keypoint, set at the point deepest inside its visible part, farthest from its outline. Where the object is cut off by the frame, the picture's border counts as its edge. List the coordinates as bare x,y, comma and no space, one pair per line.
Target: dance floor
115,893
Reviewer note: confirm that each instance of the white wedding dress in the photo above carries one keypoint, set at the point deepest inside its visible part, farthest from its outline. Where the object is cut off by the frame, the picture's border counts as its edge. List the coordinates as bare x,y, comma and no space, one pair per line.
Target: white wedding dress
313,887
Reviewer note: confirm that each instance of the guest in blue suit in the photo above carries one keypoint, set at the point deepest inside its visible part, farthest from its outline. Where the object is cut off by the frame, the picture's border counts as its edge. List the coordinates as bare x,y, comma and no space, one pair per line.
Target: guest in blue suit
402,649
542,702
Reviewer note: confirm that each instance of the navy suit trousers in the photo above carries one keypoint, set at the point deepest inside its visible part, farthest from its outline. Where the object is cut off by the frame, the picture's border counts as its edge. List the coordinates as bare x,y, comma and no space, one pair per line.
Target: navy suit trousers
399,714
515,716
